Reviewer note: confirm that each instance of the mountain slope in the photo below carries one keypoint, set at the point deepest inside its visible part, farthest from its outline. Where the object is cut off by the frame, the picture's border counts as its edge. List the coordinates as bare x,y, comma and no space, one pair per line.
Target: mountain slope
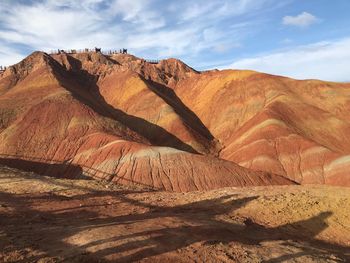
166,125
93,115
298,129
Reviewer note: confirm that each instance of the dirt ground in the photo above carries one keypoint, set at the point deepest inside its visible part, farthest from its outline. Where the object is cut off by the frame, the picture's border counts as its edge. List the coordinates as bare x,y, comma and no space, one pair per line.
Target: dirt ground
44,219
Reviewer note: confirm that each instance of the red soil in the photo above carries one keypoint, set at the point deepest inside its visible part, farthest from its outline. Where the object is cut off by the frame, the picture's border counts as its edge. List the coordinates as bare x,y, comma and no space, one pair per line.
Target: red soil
166,126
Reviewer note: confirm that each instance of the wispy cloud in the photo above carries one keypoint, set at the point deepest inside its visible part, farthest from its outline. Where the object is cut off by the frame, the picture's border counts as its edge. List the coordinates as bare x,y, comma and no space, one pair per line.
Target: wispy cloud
8,55
328,60
304,19
147,28
203,33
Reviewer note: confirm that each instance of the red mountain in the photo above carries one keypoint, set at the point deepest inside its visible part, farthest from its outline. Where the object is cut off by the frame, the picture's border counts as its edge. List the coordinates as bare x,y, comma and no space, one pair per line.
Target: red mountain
167,126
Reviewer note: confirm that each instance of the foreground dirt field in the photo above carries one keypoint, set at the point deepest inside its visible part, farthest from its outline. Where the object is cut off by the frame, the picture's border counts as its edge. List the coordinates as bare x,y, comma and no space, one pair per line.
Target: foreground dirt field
43,219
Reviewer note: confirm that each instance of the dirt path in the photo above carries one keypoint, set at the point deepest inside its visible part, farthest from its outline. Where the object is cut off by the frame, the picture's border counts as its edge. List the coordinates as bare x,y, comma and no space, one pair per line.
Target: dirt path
51,220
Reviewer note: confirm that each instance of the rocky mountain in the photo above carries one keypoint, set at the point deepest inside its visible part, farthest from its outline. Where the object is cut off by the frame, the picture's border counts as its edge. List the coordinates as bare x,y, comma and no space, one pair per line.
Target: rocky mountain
295,128
166,126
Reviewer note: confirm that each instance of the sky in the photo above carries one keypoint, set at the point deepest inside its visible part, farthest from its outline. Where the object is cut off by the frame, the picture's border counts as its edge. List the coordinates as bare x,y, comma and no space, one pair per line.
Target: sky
302,39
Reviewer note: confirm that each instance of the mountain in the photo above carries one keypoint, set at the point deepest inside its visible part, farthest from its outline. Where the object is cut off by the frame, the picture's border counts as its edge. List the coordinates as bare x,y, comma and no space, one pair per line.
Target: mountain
166,126
295,128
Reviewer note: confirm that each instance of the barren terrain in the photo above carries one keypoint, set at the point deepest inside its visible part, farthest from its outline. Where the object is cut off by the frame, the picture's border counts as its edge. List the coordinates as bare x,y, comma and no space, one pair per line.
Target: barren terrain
165,125
43,219
214,166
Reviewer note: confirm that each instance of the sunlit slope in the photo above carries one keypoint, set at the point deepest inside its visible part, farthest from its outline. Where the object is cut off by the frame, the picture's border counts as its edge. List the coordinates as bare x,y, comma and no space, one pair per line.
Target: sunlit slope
90,115
298,129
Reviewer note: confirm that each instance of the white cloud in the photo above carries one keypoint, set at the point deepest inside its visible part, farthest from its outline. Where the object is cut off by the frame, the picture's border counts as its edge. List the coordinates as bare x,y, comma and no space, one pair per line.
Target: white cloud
328,60
305,19
138,12
219,9
8,55
47,25
146,27
152,28
198,9
51,24
128,9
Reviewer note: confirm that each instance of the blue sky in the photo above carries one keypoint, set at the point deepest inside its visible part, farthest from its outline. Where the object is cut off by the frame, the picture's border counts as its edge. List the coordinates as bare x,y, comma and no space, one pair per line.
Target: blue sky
296,38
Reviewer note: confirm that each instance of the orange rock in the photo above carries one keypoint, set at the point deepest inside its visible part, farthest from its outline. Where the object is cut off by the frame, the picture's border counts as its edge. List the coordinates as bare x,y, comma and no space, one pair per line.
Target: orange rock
167,126
297,129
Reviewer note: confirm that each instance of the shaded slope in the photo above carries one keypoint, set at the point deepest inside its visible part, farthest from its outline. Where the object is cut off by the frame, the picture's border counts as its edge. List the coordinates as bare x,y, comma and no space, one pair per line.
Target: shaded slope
83,86
70,122
125,86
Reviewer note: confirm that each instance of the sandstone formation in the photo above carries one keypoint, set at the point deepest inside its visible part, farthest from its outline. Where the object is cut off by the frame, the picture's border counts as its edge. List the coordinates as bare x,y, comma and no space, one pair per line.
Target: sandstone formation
167,126
295,128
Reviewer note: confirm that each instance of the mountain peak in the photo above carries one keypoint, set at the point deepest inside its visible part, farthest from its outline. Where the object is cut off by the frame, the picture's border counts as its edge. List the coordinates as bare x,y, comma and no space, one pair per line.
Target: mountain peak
166,72
31,62
95,108
37,61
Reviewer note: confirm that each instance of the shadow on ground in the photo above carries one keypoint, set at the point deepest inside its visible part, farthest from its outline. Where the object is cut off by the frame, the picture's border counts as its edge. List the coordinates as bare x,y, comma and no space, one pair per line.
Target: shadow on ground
131,230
